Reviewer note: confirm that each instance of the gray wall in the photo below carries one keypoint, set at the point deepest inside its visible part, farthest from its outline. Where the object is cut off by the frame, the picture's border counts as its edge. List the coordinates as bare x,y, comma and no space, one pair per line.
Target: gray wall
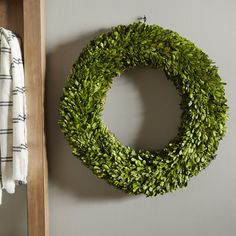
142,110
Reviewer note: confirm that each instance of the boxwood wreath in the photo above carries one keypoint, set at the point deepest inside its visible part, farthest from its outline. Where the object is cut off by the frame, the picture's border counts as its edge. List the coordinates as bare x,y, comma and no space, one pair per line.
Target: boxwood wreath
204,109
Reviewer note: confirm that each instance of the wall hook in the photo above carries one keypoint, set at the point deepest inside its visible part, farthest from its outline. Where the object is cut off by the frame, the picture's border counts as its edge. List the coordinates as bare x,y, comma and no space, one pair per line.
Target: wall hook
144,18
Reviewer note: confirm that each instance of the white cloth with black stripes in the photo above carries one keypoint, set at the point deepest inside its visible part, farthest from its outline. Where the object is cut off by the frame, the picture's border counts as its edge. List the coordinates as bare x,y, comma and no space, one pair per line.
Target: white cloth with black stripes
13,140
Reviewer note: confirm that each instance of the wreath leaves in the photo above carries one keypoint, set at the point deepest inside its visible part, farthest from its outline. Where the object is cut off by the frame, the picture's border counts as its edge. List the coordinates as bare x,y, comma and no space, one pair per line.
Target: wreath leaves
203,103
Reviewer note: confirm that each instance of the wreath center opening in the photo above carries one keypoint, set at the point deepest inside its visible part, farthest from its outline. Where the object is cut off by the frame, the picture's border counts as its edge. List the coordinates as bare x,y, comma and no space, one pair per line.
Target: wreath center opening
142,109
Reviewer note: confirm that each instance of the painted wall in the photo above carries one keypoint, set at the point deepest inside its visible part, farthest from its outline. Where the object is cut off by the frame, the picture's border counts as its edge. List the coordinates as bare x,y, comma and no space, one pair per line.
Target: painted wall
142,110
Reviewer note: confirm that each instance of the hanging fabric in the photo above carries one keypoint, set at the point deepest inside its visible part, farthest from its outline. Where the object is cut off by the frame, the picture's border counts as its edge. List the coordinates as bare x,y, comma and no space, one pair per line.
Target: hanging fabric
13,140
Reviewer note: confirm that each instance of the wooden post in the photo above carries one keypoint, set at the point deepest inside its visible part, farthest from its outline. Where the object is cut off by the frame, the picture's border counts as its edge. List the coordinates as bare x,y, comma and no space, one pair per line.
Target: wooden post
25,17
34,58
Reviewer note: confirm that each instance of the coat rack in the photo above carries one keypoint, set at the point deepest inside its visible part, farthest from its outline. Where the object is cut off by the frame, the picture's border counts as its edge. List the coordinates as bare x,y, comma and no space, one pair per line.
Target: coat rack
25,18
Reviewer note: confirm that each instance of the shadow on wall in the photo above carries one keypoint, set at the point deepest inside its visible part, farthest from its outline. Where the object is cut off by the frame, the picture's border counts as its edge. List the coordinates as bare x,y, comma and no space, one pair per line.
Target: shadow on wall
66,171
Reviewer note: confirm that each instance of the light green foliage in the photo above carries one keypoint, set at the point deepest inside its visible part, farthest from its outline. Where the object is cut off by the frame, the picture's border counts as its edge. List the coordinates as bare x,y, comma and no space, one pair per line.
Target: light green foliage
203,104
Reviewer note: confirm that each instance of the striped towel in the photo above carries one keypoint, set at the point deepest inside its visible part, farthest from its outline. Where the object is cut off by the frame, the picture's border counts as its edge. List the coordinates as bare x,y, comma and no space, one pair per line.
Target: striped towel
13,147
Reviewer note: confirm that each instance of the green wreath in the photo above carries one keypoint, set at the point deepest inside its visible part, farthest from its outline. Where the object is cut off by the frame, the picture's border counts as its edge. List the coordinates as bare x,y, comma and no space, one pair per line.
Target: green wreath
203,104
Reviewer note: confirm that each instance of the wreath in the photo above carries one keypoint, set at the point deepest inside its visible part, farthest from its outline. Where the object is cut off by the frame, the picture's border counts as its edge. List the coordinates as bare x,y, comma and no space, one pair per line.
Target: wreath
204,109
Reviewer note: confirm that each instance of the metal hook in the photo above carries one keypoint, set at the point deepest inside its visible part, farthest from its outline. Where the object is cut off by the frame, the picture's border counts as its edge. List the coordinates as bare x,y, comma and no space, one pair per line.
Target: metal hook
144,18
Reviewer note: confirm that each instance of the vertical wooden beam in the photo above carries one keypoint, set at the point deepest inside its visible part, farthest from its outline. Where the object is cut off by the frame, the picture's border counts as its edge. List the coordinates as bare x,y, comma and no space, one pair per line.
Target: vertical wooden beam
34,62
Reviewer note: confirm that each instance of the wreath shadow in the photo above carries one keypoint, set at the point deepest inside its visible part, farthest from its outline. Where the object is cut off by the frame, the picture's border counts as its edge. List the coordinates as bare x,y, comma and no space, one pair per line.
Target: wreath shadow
67,172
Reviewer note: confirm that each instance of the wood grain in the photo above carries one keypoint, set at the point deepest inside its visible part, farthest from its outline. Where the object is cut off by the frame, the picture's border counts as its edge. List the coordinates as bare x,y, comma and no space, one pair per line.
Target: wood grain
11,15
25,17
34,56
